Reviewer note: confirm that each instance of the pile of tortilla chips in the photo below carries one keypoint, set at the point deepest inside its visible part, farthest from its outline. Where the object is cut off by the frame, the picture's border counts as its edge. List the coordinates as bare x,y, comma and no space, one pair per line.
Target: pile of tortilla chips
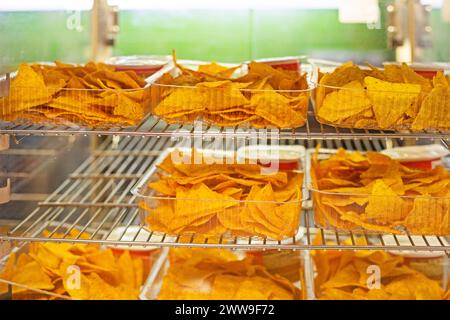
214,274
394,98
349,275
216,199
264,97
374,192
52,267
93,95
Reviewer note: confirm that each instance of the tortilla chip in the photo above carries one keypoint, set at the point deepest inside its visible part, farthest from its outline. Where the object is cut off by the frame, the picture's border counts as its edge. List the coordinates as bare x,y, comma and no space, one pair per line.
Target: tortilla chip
391,100
434,112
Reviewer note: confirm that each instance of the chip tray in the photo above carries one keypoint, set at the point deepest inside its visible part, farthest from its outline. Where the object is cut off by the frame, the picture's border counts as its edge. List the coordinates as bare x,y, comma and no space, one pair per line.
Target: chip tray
99,106
390,267
395,214
217,217
227,106
8,287
382,105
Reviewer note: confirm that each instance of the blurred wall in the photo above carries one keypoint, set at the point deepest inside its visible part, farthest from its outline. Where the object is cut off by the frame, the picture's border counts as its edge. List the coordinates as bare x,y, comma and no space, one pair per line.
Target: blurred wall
240,35
230,35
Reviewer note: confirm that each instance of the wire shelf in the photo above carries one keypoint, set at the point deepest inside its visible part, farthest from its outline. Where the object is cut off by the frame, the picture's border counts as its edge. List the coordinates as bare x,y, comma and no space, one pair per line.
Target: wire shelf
22,162
155,127
96,198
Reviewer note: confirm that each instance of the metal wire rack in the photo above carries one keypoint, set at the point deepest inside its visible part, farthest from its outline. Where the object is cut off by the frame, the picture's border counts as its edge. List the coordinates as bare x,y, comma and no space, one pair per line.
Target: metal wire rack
155,127
96,198
23,162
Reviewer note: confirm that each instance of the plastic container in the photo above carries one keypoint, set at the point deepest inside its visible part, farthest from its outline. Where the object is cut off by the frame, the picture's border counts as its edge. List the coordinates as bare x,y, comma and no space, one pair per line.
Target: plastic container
286,157
420,157
73,107
222,217
355,106
286,63
161,267
142,65
433,264
427,70
226,106
10,290
416,215
134,233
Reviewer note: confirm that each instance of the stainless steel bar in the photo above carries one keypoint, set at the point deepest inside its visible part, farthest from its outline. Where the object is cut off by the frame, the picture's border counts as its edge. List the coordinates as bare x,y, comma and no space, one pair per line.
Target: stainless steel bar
103,176
87,204
72,186
108,184
125,168
142,168
240,246
104,220
312,130
90,193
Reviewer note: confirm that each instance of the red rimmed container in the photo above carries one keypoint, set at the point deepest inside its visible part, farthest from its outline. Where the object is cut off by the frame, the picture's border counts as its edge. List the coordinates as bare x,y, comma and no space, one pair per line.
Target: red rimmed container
141,64
286,63
398,214
224,221
433,265
424,157
93,106
282,157
21,290
359,107
225,106
147,253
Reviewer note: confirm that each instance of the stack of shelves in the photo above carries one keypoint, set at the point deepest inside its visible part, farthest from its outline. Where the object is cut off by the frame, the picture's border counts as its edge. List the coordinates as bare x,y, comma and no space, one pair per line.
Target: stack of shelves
96,196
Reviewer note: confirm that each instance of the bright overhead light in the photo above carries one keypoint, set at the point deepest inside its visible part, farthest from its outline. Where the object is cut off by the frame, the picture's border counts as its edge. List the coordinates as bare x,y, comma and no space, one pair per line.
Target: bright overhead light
225,4
359,11
44,5
52,5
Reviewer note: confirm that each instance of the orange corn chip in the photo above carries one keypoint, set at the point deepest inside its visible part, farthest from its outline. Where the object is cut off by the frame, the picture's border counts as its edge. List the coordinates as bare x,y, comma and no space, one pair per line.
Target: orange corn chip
435,110
344,103
27,90
391,100
275,108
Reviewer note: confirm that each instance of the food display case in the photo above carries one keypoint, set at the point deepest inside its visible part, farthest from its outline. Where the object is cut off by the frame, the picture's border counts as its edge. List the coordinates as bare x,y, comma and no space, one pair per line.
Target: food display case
248,171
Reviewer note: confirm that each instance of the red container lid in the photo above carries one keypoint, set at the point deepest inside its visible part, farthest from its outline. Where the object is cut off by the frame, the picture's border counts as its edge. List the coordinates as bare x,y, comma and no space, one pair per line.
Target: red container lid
424,165
286,63
424,69
142,65
429,74
284,165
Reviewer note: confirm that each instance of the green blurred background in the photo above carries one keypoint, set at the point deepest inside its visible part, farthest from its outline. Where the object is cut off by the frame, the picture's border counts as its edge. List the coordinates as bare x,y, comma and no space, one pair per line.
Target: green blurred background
227,35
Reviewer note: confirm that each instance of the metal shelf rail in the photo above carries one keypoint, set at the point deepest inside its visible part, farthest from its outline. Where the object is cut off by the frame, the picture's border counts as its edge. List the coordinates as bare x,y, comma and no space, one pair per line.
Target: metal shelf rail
25,161
96,199
155,127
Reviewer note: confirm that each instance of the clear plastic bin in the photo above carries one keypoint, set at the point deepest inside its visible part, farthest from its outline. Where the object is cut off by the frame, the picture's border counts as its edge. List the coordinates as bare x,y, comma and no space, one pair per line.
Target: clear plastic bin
363,106
21,288
161,268
376,274
26,104
227,104
215,216
417,215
